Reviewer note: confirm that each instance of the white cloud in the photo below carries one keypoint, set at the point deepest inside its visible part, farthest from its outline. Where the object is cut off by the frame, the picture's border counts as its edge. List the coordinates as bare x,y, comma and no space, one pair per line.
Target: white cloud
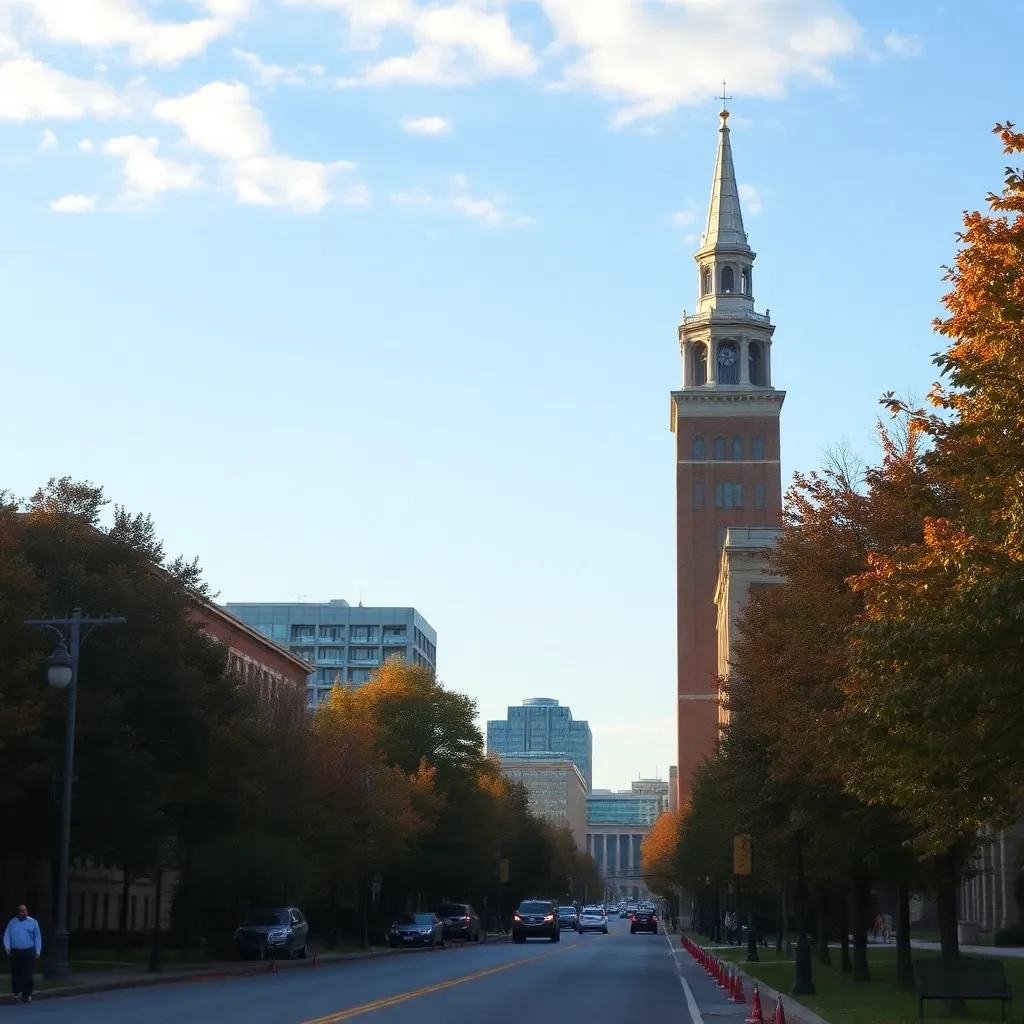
652,56
102,24
85,146
909,45
276,74
454,42
47,141
491,210
426,125
751,199
144,174
30,89
220,120
73,203
684,218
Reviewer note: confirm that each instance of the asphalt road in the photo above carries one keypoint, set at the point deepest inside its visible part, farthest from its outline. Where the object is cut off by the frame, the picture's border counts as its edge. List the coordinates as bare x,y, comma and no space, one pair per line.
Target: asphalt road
597,979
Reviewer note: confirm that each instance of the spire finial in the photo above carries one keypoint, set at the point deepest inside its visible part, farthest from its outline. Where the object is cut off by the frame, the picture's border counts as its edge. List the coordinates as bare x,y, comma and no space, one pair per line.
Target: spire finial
725,97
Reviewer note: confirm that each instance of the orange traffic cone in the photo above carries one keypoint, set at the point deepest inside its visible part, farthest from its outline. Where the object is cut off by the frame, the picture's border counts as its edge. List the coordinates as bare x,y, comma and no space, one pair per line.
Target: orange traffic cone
755,1008
273,966
738,996
780,1013
316,959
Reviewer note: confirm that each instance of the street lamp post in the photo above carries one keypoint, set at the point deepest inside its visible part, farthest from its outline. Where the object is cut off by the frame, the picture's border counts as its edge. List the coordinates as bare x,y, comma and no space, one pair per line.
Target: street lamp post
61,673
803,983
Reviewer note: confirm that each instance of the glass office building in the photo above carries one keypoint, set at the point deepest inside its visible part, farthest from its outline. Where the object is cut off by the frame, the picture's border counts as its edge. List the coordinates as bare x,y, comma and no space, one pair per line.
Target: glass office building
342,644
639,805
543,726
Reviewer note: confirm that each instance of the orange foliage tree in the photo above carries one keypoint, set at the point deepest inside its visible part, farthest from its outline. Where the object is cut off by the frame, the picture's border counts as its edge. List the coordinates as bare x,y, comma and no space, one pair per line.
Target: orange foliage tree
659,853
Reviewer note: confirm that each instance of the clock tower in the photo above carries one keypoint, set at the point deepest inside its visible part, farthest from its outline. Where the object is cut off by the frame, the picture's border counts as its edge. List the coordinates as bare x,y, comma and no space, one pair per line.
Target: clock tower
726,425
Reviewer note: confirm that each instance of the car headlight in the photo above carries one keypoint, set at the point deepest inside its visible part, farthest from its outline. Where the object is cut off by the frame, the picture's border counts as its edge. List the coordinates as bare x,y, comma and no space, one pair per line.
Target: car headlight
549,917
277,933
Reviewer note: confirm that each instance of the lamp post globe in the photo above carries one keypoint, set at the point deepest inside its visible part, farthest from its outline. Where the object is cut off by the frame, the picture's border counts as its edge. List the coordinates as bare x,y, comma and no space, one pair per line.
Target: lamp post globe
58,668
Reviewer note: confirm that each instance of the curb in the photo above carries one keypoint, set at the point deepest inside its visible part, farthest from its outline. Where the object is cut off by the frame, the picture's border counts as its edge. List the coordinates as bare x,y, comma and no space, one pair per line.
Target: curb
192,977
793,1009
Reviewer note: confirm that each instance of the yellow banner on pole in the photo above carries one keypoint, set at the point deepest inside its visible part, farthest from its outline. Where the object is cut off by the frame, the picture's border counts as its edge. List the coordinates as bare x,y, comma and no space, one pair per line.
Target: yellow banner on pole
741,855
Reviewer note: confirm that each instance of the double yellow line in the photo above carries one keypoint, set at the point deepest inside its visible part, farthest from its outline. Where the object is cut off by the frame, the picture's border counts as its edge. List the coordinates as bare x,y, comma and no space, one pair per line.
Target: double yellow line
383,1004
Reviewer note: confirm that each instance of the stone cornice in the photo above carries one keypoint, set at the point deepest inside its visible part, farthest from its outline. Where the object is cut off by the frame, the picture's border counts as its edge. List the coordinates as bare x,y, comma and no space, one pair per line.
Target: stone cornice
716,400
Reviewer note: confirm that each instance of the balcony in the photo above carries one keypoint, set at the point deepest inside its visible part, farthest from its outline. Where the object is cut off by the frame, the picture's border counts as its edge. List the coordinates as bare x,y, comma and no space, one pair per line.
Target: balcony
401,641
747,315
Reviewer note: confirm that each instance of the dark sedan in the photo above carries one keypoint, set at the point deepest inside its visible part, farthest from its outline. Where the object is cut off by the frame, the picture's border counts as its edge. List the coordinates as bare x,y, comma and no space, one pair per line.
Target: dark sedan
536,919
460,921
643,921
416,930
277,932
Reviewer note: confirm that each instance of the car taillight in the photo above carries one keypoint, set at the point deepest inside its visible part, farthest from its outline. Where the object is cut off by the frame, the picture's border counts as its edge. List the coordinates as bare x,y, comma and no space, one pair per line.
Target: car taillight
634,917
466,919
654,917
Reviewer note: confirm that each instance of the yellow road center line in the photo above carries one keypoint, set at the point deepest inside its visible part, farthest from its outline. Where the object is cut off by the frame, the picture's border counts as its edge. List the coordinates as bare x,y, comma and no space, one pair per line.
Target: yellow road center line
382,1004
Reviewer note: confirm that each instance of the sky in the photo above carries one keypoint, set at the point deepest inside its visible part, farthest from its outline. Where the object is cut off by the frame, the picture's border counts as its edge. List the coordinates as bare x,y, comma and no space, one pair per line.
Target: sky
377,299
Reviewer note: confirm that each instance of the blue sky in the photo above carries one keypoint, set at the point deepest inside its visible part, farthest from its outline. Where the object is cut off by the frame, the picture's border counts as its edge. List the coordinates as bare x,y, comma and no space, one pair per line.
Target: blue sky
378,297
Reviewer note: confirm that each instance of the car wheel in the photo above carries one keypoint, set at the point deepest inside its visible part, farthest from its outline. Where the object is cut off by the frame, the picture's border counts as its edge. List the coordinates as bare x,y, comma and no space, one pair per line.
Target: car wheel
476,935
517,938
442,942
632,931
654,931
304,952
604,930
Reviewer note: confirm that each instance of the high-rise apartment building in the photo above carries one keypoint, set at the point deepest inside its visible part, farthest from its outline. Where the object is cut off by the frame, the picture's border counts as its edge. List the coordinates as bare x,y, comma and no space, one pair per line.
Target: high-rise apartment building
726,425
555,789
543,726
342,644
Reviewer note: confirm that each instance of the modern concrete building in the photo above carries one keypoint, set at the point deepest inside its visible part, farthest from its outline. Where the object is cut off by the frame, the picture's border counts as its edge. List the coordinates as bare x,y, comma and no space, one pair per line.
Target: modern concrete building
741,571
556,788
726,425
341,643
617,823
543,726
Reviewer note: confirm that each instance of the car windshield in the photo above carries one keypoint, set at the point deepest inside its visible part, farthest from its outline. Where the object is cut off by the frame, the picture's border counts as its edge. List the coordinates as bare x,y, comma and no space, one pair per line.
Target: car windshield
452,910
565,911
424,918
262,918
534,907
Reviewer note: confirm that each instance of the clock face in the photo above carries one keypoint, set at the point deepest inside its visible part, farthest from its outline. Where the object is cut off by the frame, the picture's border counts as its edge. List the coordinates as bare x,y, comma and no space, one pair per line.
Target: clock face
726,356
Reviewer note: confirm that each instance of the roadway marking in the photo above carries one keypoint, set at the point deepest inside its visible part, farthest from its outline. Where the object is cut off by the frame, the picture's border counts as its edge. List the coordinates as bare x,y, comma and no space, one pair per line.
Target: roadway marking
691,1003
383,1004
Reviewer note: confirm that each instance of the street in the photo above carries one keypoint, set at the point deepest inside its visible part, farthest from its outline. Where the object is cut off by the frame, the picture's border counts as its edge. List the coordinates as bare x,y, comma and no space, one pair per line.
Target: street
604,979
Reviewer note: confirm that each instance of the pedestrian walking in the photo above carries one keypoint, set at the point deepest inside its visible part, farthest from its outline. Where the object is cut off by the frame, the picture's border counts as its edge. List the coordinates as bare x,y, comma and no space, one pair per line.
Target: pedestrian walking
23,943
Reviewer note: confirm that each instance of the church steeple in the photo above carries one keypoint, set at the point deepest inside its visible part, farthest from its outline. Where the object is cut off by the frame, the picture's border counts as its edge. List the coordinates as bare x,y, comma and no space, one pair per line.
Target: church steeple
725,217
726,343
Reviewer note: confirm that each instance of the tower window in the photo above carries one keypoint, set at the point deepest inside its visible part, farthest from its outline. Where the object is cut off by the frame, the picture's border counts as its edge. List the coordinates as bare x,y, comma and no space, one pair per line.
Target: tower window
698,495
745,280
758,449
698,448
728,495
728,363
705,281
756,364
737,449
728,279
759,496
700,365
720,448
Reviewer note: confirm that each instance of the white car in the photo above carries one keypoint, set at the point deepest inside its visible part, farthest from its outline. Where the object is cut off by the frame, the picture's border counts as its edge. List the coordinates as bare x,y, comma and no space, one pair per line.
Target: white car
592,919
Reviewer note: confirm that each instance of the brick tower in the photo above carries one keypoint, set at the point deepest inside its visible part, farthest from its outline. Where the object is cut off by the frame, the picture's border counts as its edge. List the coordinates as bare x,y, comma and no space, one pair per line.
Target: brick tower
726,423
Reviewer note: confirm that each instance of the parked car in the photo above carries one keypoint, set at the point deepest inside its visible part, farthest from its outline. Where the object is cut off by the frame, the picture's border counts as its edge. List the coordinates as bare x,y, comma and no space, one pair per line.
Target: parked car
643,921
460,921
277,932
593,919
416,930
536,919
568,918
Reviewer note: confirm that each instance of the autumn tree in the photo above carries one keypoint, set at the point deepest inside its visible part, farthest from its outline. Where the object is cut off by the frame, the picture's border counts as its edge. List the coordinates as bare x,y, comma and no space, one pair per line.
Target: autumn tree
659,853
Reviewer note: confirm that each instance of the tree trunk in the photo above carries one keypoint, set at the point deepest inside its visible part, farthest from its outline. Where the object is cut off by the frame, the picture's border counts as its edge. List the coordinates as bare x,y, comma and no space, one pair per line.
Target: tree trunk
949,883
861,913
844,931
155,963
821,914
779,918
904,961
787,938
122,922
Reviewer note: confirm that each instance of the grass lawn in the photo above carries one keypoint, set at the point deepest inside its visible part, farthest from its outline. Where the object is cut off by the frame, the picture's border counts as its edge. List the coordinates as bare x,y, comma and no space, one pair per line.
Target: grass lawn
840,1001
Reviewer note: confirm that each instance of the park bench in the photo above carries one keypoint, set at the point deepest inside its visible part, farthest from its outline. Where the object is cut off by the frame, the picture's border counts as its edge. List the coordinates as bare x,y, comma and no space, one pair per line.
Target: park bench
965,977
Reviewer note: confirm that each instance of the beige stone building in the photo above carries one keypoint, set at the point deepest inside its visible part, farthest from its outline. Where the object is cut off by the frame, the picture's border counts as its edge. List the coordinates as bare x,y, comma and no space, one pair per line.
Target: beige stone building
556,788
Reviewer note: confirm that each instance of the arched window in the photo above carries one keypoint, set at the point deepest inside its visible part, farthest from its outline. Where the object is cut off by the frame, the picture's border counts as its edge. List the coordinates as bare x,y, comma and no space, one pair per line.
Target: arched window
705,281
720,448
745,280
728,363
756,364
737,449
758,449
700,364
698,447
728,279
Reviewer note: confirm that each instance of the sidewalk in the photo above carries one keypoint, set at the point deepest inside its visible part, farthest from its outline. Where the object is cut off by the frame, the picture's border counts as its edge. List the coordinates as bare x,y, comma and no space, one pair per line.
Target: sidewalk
139,977
1013,952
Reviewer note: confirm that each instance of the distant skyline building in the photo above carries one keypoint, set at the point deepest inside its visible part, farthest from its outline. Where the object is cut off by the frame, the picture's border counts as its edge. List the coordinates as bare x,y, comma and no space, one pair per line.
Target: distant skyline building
543,726
556,790
339,642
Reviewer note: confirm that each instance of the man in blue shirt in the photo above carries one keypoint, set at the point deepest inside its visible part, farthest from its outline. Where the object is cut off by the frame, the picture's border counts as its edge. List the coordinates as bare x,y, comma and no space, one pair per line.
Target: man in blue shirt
23,943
